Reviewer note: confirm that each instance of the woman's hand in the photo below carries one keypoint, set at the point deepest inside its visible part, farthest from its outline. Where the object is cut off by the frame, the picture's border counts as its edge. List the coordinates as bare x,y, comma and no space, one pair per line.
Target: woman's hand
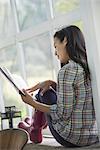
44,86
32,102
27,98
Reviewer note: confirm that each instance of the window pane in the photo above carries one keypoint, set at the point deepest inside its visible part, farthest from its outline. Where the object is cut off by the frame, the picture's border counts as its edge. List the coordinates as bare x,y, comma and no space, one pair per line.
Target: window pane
6,23
38,58
10,60
64,6
79,23
31,13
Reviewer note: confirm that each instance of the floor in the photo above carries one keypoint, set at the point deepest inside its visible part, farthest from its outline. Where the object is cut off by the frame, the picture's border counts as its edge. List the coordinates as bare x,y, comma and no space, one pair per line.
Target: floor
51,144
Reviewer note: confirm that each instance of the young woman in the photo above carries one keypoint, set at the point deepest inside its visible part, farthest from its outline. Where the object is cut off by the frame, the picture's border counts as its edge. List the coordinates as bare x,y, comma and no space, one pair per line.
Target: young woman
71,117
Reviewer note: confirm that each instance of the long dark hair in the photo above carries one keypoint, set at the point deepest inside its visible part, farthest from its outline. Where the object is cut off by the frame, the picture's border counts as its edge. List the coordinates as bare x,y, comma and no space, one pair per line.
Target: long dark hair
75,45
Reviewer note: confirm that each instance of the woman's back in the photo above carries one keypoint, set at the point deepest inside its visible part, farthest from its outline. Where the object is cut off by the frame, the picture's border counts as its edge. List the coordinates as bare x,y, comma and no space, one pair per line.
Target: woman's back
76,110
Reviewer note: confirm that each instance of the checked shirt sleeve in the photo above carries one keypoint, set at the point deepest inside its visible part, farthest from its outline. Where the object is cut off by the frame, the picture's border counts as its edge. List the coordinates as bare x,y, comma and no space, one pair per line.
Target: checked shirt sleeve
65,94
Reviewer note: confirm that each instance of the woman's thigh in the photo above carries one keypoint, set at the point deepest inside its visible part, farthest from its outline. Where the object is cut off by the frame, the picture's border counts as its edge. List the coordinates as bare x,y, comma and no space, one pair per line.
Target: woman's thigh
58,138
50,98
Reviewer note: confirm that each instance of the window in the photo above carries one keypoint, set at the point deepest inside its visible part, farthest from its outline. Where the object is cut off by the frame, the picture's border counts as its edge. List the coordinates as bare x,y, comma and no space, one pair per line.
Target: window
26,29
10,59
6,23
64,6
31,13
38,58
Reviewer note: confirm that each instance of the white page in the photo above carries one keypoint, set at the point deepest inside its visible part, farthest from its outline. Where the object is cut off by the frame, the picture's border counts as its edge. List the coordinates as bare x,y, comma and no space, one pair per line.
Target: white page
17,82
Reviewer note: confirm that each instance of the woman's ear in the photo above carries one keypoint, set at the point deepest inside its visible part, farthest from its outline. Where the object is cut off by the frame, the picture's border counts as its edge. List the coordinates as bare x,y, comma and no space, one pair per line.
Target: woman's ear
65,41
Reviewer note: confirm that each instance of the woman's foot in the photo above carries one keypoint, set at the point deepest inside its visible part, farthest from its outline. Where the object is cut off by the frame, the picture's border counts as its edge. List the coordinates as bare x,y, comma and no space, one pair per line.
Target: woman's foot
36,136
25,126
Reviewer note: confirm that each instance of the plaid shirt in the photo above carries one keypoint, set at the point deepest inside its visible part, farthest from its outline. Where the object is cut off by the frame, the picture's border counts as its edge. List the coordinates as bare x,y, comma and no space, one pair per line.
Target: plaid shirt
73,117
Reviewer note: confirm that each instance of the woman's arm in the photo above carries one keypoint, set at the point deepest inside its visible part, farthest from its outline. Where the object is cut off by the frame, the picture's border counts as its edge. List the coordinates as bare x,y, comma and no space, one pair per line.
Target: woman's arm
32,102
44,86
65,94
40,106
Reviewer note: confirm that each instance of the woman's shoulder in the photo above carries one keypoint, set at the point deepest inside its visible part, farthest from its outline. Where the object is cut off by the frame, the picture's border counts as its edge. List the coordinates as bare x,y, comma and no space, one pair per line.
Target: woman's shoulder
72,65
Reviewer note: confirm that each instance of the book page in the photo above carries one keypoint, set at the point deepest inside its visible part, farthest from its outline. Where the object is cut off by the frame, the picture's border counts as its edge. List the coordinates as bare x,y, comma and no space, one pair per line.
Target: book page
17,82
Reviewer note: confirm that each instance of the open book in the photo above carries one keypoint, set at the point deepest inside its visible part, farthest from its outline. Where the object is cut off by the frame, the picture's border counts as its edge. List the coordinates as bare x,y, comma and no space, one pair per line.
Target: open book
17,82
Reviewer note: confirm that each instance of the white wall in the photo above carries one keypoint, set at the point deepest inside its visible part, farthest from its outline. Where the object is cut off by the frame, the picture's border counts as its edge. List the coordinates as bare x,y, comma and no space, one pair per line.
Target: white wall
91,19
